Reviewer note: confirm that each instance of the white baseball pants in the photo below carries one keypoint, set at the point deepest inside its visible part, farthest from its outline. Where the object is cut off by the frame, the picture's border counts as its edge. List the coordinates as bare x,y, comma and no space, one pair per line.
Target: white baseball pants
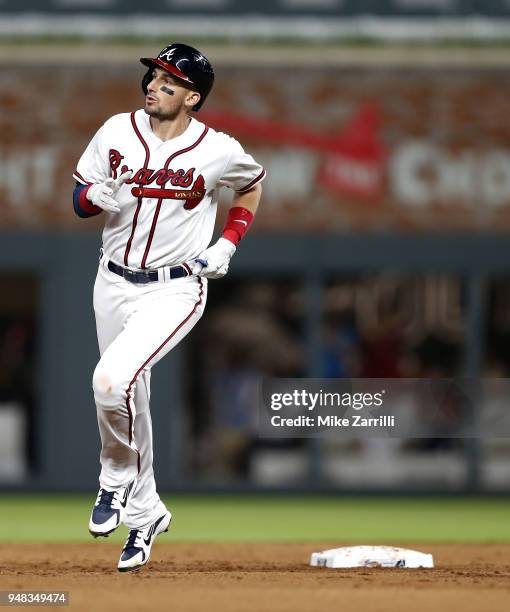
137,325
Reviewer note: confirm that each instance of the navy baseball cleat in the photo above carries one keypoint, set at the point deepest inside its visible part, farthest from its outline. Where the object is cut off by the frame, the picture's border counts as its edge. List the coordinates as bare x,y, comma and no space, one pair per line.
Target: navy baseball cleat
109,510
137,549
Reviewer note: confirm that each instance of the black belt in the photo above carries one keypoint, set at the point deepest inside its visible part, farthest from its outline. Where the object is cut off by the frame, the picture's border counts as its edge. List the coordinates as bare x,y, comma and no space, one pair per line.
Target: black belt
148,276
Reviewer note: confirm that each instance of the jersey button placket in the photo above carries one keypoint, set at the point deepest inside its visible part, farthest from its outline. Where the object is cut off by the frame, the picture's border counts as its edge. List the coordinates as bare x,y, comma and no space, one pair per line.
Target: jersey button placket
149,204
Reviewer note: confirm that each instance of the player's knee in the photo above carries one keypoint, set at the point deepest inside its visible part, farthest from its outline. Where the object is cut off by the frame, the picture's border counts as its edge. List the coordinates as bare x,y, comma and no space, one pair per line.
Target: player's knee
108,391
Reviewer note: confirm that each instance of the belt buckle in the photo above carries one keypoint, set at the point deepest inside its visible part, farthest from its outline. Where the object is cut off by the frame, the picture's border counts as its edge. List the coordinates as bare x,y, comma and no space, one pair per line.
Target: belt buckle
129,275
140,277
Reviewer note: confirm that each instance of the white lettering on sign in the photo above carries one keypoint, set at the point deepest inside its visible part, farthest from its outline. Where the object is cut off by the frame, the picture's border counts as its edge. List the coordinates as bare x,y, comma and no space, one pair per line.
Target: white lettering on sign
495,178
291,174
27,176
423,174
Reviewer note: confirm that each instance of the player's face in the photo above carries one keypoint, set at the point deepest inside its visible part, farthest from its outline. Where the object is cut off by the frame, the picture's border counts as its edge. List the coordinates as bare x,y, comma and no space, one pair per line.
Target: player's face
168,97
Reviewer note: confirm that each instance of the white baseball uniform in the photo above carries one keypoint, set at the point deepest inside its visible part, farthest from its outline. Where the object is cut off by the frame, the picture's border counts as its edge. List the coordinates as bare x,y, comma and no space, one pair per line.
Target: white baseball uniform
166,219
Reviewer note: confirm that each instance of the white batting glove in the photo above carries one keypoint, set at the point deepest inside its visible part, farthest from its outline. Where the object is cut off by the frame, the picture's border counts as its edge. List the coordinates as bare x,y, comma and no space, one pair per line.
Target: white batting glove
103,194
213,262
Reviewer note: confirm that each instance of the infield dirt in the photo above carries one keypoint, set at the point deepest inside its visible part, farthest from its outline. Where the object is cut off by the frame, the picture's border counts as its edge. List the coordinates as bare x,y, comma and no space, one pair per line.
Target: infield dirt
258,577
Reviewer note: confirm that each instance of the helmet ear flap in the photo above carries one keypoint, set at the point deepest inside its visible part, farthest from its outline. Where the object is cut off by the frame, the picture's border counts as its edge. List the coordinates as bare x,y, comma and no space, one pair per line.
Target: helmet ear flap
147,78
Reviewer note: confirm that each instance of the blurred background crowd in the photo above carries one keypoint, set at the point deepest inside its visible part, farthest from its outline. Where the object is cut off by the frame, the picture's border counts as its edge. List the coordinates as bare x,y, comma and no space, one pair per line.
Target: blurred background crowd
381,248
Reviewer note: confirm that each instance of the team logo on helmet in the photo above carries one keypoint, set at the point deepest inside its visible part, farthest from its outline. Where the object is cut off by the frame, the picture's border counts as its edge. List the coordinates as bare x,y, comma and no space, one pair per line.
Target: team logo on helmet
167,53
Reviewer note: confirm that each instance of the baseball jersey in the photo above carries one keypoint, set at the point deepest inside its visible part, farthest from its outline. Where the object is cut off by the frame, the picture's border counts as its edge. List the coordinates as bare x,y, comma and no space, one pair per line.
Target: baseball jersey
168,207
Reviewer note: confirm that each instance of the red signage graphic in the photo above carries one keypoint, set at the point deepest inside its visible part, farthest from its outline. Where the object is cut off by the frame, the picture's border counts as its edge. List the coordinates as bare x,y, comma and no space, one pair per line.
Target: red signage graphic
353,161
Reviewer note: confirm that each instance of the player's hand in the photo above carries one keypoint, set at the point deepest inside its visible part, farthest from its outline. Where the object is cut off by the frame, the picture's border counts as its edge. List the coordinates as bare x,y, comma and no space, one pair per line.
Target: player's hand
214,261
103,194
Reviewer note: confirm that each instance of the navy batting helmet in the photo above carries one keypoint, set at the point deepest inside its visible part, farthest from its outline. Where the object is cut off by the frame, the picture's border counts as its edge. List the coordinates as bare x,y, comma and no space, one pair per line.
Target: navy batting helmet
187,64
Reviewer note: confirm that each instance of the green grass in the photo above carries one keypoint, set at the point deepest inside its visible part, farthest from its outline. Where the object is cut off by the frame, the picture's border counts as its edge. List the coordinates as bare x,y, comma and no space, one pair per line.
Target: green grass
32,518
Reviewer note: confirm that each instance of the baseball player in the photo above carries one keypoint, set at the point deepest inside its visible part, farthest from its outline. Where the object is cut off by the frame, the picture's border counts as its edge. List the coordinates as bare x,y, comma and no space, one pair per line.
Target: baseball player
154,174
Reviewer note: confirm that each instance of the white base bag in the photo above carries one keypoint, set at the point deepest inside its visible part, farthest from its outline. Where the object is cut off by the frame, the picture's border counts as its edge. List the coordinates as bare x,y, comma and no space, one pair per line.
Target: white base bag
371,556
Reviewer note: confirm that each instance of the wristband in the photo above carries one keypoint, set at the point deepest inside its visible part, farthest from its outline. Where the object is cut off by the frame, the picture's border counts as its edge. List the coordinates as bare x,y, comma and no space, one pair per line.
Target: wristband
86,204
82,205
238,221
